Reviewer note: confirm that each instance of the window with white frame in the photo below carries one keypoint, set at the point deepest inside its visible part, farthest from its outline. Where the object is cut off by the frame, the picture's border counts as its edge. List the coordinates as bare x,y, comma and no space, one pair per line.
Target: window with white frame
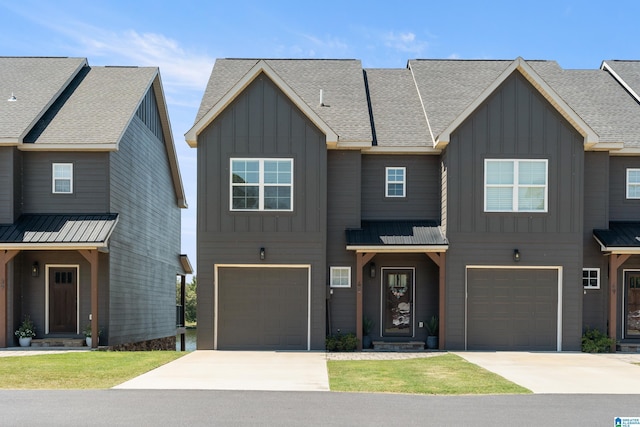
261,184
340,277
515,185
591,278
62,178
633,183
396,179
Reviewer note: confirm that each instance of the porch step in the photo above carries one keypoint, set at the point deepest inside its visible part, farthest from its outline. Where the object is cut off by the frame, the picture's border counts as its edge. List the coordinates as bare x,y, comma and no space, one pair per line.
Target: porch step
57,342
628,347
398,346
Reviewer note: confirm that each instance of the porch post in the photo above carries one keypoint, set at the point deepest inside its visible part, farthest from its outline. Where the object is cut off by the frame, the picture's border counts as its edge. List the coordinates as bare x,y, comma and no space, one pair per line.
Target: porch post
615,261
5,257
439,259
92,257
361,260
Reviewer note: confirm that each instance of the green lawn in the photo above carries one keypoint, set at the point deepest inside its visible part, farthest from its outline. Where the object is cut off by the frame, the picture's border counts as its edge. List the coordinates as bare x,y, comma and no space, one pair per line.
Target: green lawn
445,374
79,370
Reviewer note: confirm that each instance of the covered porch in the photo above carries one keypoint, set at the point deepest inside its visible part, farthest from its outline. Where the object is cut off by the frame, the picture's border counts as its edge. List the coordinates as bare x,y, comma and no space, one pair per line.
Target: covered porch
40,267
391,249
621,244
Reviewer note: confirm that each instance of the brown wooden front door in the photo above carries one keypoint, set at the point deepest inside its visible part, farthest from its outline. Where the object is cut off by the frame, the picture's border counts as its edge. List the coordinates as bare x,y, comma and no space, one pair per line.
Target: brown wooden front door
63,300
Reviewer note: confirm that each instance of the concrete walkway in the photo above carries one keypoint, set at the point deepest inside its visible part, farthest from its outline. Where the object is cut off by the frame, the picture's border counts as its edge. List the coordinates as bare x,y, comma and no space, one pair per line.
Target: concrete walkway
238,370
563,372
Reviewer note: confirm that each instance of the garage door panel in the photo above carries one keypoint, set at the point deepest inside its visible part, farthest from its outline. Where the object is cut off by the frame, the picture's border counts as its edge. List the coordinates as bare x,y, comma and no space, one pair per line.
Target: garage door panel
512,309
262,308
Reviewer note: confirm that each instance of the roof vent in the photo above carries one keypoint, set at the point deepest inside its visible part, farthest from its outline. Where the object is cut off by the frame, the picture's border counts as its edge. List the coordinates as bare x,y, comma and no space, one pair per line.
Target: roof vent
13,98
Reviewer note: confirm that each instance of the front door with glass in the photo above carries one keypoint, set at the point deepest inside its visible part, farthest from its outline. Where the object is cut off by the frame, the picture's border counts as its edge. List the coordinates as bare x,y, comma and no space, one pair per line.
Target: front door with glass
397,302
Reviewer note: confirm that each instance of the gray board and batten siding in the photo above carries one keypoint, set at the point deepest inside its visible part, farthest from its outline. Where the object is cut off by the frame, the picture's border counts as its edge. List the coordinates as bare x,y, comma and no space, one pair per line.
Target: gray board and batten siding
145,245
515,122
422,188
261,123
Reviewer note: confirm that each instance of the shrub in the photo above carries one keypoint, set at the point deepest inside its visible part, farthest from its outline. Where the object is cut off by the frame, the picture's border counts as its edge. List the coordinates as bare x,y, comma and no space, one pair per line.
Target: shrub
340,342
594,341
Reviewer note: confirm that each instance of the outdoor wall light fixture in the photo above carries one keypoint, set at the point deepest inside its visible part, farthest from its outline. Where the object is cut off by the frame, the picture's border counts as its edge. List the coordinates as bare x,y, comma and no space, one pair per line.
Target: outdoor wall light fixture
35,269
262,254
372,270
516,255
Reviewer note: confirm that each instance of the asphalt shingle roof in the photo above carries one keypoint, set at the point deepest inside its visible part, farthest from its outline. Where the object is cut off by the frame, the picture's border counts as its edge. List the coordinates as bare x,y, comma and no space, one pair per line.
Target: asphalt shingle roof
35,82
397,112
96,108
447,87
53,228
373,233
341,81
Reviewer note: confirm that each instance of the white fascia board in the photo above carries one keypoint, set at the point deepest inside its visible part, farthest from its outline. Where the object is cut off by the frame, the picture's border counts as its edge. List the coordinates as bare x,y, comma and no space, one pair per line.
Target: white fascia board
53,246
590,136
402,150
260,67
398,248
607,67
67,147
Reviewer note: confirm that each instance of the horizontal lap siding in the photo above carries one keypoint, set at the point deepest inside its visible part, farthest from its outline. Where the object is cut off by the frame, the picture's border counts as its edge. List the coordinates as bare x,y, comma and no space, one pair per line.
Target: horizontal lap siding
343,211
90,183
422,188
515,122
6,184
621,208
596,216
145,245
261,123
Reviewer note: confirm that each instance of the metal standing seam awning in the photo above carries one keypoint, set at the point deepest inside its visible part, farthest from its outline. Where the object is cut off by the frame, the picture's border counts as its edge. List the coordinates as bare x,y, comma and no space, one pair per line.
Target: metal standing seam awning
420,236
88,234
619,242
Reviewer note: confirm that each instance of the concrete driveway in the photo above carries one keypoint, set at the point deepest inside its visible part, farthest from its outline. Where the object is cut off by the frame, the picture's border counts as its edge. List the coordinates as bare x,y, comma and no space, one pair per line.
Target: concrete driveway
239,370
563,372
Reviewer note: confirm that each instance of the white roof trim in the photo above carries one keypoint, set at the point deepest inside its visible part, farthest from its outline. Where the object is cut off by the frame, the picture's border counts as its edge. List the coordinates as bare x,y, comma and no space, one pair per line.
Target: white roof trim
590,136
260,67
607,67
52,246
398,248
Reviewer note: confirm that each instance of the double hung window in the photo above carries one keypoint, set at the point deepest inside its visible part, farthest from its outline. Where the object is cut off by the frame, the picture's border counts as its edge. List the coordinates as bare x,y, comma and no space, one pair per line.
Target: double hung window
395,181
633,183
340,277
62,178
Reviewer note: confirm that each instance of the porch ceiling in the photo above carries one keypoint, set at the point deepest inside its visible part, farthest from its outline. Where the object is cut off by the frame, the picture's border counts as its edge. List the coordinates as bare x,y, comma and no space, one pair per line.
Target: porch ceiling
58,231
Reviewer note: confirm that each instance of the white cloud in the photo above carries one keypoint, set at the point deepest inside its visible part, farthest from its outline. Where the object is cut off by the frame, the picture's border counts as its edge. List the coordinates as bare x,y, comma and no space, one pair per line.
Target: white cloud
404,42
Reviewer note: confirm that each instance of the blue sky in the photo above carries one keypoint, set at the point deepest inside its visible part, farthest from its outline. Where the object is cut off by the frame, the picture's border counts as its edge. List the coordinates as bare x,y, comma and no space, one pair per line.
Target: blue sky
185,37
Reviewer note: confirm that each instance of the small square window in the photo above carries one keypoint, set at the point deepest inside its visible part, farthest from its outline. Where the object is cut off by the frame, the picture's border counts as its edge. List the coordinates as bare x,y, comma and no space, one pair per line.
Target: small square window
591,278
395,181
62,178
340,277
633,183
